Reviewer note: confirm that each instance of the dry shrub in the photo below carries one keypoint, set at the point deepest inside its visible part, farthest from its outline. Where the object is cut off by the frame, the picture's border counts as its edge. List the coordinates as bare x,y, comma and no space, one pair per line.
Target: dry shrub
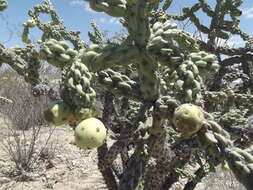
25,125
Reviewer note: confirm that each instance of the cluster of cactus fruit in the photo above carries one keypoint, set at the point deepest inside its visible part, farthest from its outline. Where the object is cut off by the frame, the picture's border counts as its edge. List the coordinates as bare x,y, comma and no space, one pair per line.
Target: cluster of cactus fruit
168,93
58,53
119,83
187,79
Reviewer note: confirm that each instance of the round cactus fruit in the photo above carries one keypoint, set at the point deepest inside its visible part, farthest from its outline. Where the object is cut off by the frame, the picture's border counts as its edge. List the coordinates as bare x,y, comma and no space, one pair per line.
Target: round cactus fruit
58,113
188,118
90,133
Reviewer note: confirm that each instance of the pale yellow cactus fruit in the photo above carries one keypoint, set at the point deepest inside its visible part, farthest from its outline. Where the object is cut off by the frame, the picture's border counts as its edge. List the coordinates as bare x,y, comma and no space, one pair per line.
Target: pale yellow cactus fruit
58,113
90,133
188,118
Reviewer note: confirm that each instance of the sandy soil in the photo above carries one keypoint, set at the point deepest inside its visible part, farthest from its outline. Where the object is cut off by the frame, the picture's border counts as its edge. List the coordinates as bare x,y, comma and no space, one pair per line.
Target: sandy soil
75,169
70,169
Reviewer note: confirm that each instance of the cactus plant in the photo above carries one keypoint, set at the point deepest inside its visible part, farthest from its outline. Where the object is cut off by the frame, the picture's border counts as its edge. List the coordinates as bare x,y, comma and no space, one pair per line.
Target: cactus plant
168,83
3,4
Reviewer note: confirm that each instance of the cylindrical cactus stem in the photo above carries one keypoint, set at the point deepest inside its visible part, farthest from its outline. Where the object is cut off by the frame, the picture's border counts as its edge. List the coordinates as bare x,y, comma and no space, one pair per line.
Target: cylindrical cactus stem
148,79
166,157
5,100
107,173
154,177
217,142
134,167
9,56
58,53
115,8
97,58
3,4
137,21
241,163
157,172
119,84
76,89
113,152
23,60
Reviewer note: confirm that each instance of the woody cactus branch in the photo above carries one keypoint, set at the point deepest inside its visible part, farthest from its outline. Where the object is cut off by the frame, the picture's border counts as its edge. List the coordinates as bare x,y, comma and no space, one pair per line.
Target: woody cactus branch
217,141
103,150
25,61
219,26
96,37
53,29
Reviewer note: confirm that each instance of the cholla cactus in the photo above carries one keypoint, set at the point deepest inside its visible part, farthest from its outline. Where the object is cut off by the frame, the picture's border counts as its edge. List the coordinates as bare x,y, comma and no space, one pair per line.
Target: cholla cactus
166,88
3,5
5,100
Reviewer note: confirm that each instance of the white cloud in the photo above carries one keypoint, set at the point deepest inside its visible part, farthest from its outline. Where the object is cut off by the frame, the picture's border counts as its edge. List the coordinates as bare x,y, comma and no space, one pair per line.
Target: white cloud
234,41
107,20
248,13
77,2
85,5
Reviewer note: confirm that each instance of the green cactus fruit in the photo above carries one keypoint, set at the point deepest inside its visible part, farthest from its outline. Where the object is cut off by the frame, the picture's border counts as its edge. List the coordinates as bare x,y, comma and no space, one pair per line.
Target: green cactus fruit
209,58
201,63
90,133
57,48
48,52
195,57
179,85
157,26
210,138
189,95
64,57
64,45
215,67
58,113
188,118
71,52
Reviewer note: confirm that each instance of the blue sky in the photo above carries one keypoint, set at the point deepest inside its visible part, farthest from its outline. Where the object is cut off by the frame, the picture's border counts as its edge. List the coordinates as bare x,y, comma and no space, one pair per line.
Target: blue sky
77,16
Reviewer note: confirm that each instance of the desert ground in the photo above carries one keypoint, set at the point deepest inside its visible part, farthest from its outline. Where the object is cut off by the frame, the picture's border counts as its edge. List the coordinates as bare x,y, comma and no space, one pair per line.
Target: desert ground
66,167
